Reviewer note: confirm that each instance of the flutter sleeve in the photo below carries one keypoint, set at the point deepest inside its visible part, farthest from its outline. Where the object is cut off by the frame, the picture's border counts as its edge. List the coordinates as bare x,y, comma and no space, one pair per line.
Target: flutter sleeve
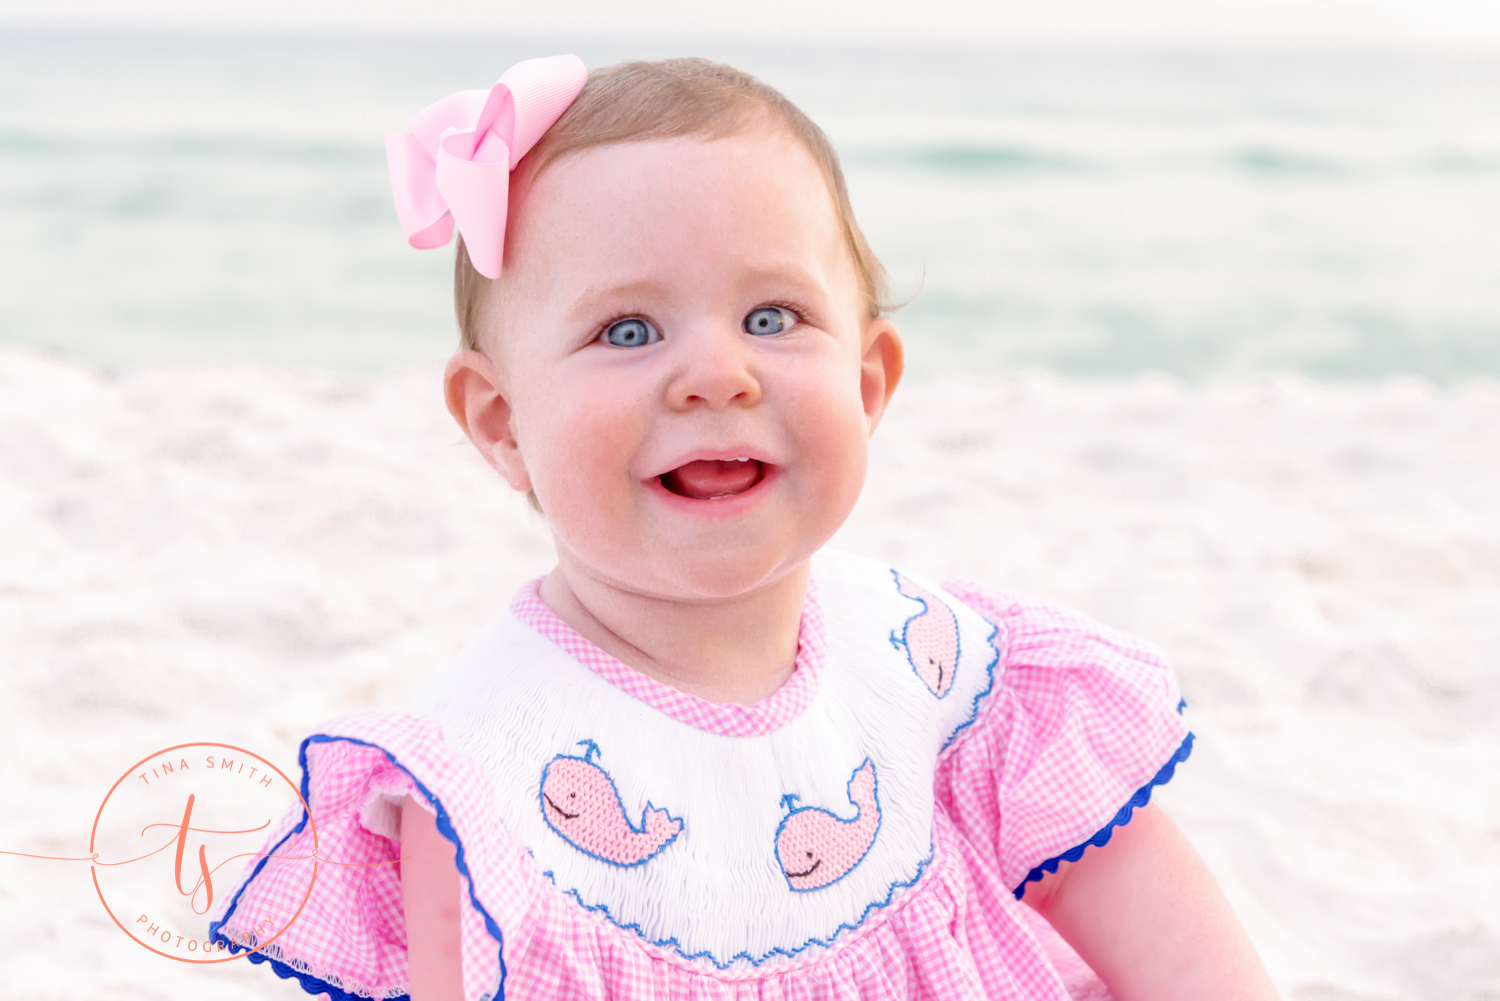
1082,724
323,903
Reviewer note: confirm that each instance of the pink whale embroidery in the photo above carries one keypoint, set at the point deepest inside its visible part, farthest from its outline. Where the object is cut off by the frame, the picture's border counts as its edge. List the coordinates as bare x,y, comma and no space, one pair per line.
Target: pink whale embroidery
580,802
815,847
930,638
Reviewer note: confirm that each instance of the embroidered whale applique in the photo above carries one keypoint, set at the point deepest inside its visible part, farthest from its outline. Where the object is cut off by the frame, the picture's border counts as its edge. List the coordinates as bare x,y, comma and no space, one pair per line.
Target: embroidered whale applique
580,802
930,638
815,847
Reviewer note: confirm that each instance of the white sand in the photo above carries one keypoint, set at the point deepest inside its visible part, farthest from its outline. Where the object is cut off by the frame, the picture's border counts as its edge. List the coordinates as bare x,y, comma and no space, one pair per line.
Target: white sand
236,555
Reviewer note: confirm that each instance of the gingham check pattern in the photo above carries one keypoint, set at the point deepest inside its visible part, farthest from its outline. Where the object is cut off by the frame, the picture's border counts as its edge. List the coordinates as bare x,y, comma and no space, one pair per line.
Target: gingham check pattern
351,935
726,719
1080,720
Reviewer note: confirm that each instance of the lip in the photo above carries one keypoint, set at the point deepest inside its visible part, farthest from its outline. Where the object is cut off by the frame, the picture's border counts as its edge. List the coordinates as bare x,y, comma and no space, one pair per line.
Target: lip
714,455
717,507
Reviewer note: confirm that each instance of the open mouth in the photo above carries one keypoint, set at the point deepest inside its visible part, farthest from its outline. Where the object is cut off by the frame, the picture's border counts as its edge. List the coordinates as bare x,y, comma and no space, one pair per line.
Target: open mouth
713,479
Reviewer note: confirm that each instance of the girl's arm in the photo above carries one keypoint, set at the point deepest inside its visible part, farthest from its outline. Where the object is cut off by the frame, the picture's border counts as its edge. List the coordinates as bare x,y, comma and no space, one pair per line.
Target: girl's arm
430,897
1147,915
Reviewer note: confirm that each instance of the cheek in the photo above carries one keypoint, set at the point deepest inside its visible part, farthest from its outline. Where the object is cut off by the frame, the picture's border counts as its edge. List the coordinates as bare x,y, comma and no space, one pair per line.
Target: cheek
835,437
578,444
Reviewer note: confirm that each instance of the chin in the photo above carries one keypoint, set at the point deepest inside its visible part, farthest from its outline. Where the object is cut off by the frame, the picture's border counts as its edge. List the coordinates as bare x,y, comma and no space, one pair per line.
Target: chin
729,575
713,569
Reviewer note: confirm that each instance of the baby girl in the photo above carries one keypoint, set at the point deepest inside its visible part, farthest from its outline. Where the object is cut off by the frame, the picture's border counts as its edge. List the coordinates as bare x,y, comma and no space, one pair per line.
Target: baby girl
705,757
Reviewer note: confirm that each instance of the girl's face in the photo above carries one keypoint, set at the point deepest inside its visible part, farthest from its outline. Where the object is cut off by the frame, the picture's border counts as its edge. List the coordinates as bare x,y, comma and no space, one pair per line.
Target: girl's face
685,371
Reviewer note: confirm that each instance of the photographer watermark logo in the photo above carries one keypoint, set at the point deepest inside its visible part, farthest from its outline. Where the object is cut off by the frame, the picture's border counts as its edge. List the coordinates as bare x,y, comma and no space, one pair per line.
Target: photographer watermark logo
182,827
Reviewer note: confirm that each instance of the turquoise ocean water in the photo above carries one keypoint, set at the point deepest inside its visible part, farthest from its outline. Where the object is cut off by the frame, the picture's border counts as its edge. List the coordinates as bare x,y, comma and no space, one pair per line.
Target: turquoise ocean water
216,199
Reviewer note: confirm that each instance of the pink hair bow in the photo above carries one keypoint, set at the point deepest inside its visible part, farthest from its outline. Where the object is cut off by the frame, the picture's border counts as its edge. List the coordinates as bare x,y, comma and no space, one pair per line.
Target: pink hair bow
454,165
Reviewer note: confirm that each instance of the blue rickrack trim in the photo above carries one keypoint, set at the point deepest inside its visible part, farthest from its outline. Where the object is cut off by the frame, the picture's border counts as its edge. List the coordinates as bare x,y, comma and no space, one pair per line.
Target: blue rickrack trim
675,946
1141,798
310,983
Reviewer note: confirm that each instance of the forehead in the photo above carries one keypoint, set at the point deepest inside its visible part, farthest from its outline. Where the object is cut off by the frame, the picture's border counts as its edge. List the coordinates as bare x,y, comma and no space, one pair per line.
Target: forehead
696,209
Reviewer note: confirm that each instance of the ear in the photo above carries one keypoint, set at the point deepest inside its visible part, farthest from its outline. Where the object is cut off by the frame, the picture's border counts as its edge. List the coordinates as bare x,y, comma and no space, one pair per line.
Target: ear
476,399
881,367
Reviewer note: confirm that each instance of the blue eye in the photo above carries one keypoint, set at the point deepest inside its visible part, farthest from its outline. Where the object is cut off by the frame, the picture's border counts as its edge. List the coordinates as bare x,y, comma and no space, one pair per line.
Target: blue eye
769,320
633,332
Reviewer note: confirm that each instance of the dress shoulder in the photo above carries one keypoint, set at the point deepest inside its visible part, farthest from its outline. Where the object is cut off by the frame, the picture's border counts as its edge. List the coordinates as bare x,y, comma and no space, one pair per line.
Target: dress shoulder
1083,723
323,904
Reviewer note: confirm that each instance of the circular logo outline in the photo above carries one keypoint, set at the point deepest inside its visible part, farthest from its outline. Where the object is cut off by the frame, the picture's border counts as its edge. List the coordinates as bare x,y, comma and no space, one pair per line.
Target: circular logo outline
248,951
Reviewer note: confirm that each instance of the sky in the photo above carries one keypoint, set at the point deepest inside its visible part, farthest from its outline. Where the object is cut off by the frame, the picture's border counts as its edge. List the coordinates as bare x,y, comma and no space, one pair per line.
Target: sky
1308,23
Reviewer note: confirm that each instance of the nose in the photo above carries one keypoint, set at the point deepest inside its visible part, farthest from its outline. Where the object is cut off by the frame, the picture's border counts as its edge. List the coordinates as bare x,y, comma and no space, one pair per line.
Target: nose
715,369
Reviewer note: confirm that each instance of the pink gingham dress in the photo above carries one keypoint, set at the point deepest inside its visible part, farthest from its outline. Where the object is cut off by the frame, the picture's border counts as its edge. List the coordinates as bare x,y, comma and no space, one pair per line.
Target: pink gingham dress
865,832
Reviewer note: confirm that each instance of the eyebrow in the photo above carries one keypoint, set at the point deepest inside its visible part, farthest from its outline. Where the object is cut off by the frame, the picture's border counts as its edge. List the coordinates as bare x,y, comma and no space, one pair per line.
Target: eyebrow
794,275
592,299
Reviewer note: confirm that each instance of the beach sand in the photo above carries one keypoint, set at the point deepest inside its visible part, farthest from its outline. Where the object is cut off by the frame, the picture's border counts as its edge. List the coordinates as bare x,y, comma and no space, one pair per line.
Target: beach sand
234,555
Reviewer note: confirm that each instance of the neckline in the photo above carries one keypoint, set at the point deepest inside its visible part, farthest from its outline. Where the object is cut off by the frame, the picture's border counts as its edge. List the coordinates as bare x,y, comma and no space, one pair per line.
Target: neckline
725,719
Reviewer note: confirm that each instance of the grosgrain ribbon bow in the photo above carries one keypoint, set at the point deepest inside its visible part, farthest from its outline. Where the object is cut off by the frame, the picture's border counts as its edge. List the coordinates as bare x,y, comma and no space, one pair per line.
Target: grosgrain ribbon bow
454,165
